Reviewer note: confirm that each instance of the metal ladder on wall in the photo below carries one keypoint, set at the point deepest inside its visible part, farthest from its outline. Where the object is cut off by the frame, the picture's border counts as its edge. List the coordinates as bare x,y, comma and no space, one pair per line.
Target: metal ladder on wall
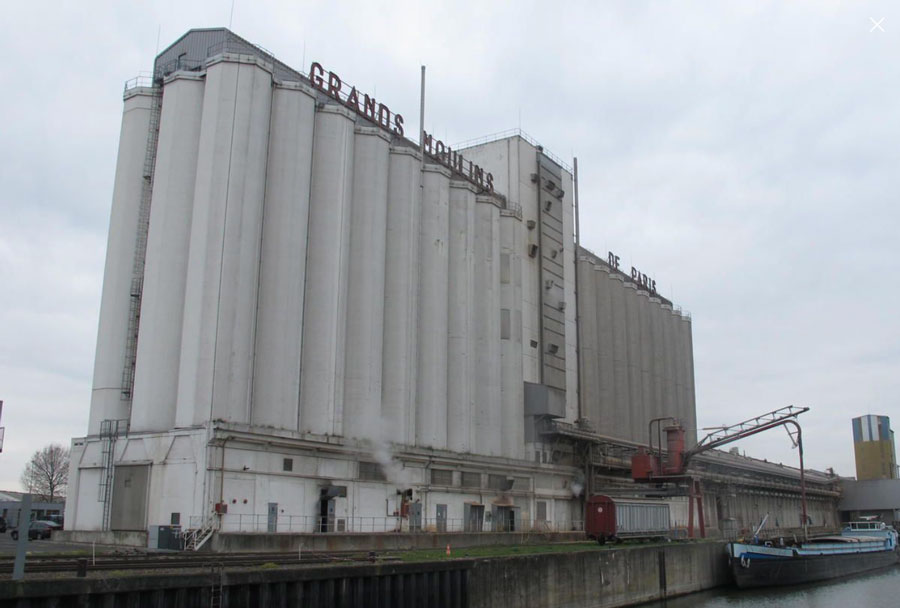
110,430
140,247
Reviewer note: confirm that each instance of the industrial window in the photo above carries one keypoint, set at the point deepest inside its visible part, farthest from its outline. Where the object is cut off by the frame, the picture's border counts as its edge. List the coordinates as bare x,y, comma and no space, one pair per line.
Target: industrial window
287,464
504,324
441,477
471,480
175,519
499,482
371,471
522,483
541,510
504,268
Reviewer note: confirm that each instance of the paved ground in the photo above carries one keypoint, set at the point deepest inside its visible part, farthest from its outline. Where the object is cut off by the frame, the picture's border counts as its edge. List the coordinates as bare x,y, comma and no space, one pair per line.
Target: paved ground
8,546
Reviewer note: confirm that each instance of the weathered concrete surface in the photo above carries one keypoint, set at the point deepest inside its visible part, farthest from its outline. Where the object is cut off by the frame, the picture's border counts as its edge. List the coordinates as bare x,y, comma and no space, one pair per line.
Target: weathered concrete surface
605,579
265,543
592,578
124,538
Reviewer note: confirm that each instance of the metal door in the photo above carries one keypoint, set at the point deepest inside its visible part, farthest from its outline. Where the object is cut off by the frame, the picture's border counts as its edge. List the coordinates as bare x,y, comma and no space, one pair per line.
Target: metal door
415,517
441,518
326,515
474,517
273,518
129,497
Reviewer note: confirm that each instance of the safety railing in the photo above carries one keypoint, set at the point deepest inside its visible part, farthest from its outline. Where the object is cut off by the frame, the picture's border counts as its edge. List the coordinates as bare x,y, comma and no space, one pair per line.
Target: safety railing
311,524
200,532
143,79
461,146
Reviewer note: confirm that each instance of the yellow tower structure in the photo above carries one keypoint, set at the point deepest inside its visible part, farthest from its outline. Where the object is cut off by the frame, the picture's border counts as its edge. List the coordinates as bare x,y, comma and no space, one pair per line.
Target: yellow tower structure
873,445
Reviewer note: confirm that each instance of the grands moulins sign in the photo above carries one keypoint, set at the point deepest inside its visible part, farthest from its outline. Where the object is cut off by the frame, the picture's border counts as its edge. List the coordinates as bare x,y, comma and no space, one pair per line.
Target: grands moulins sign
368,107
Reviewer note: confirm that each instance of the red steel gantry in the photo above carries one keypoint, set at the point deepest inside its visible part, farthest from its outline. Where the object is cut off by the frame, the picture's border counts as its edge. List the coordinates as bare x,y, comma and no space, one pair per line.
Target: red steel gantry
670,466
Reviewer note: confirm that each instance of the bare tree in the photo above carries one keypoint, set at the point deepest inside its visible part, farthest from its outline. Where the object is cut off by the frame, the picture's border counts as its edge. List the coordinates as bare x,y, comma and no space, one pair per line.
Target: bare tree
47,473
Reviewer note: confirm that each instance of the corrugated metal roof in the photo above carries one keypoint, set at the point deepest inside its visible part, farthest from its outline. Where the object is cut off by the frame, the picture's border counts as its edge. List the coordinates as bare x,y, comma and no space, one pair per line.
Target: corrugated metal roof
191,51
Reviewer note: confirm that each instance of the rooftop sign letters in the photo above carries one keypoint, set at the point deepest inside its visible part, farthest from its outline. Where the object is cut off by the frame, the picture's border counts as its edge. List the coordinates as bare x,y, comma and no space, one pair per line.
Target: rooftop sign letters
368,107
637,277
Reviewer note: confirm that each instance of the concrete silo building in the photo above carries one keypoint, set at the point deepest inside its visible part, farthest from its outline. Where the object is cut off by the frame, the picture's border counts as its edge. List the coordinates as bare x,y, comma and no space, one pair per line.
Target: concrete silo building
307,325
304,318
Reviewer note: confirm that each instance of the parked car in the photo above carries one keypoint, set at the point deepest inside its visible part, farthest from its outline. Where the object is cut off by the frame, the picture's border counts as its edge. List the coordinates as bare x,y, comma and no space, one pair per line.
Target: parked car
37,530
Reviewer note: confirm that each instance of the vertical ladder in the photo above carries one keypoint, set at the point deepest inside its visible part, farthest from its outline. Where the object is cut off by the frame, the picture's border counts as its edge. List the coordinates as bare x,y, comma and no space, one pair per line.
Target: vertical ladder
109,431
140,248
215,590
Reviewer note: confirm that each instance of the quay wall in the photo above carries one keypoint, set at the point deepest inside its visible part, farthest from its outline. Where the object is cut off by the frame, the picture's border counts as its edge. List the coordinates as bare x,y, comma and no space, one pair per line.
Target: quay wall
235,542
601,578
598,579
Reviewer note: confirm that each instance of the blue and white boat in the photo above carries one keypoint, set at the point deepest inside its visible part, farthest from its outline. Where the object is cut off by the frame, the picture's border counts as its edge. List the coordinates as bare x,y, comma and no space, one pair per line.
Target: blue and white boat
861,546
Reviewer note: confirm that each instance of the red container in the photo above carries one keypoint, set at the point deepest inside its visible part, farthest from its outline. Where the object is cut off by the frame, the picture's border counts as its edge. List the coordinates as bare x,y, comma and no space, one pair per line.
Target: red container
600,518
643,466
675,450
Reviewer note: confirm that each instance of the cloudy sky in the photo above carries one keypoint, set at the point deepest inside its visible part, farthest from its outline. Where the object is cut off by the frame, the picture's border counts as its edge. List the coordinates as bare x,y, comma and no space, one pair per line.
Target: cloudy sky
744,154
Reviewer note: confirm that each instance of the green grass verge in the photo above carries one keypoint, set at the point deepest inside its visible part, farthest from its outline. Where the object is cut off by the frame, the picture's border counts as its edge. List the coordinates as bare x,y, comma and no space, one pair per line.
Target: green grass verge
430,555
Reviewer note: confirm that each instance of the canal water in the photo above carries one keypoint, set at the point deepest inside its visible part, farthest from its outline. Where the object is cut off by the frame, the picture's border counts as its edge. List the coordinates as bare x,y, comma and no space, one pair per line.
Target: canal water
879,589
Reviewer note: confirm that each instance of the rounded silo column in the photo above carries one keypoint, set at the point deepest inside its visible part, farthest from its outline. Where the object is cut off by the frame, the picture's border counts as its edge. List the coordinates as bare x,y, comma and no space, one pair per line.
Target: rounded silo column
494,399
678,367
656,332
622,400
635,387
168,242
670,399
431,376
107,400
460,359
327,253
218,339
605,414
647,399
401,280
365,290
690,395
587,339
282,270
512,384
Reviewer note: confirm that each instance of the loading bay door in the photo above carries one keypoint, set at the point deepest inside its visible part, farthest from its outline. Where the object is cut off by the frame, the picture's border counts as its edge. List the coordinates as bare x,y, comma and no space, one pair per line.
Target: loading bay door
129,497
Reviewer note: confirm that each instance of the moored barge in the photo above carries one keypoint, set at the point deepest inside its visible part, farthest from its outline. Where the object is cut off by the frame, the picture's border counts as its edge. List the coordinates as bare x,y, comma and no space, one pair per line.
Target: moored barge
861,546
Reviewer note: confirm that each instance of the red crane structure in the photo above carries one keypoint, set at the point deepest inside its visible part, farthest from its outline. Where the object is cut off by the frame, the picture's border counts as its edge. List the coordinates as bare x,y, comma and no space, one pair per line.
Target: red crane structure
670,465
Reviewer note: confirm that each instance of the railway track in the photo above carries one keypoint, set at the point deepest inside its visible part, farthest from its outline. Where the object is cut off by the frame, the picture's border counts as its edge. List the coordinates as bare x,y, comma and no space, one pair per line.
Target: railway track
68,563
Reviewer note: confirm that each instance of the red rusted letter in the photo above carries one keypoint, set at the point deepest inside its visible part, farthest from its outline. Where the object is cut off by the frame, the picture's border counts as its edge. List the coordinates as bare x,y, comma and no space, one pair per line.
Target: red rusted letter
315,74
334,85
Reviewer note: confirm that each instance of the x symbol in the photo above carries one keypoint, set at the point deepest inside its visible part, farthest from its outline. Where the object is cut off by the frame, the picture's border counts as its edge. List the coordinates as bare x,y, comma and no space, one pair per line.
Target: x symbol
877,24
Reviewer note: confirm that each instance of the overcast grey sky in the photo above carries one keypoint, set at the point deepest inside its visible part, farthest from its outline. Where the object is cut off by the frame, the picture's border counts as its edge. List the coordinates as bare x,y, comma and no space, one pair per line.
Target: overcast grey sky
744,154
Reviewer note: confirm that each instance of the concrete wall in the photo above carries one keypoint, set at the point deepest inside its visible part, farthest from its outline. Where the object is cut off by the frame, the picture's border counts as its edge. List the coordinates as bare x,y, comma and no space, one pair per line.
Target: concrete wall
265,543
598,579
592,578
126,539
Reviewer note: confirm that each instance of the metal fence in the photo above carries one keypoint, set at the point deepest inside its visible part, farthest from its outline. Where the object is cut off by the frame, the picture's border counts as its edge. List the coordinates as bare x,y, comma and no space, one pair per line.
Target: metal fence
311,524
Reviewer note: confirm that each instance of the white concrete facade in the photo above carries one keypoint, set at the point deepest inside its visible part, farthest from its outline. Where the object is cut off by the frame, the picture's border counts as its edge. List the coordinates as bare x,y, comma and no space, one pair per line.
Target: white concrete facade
326,317
636,355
